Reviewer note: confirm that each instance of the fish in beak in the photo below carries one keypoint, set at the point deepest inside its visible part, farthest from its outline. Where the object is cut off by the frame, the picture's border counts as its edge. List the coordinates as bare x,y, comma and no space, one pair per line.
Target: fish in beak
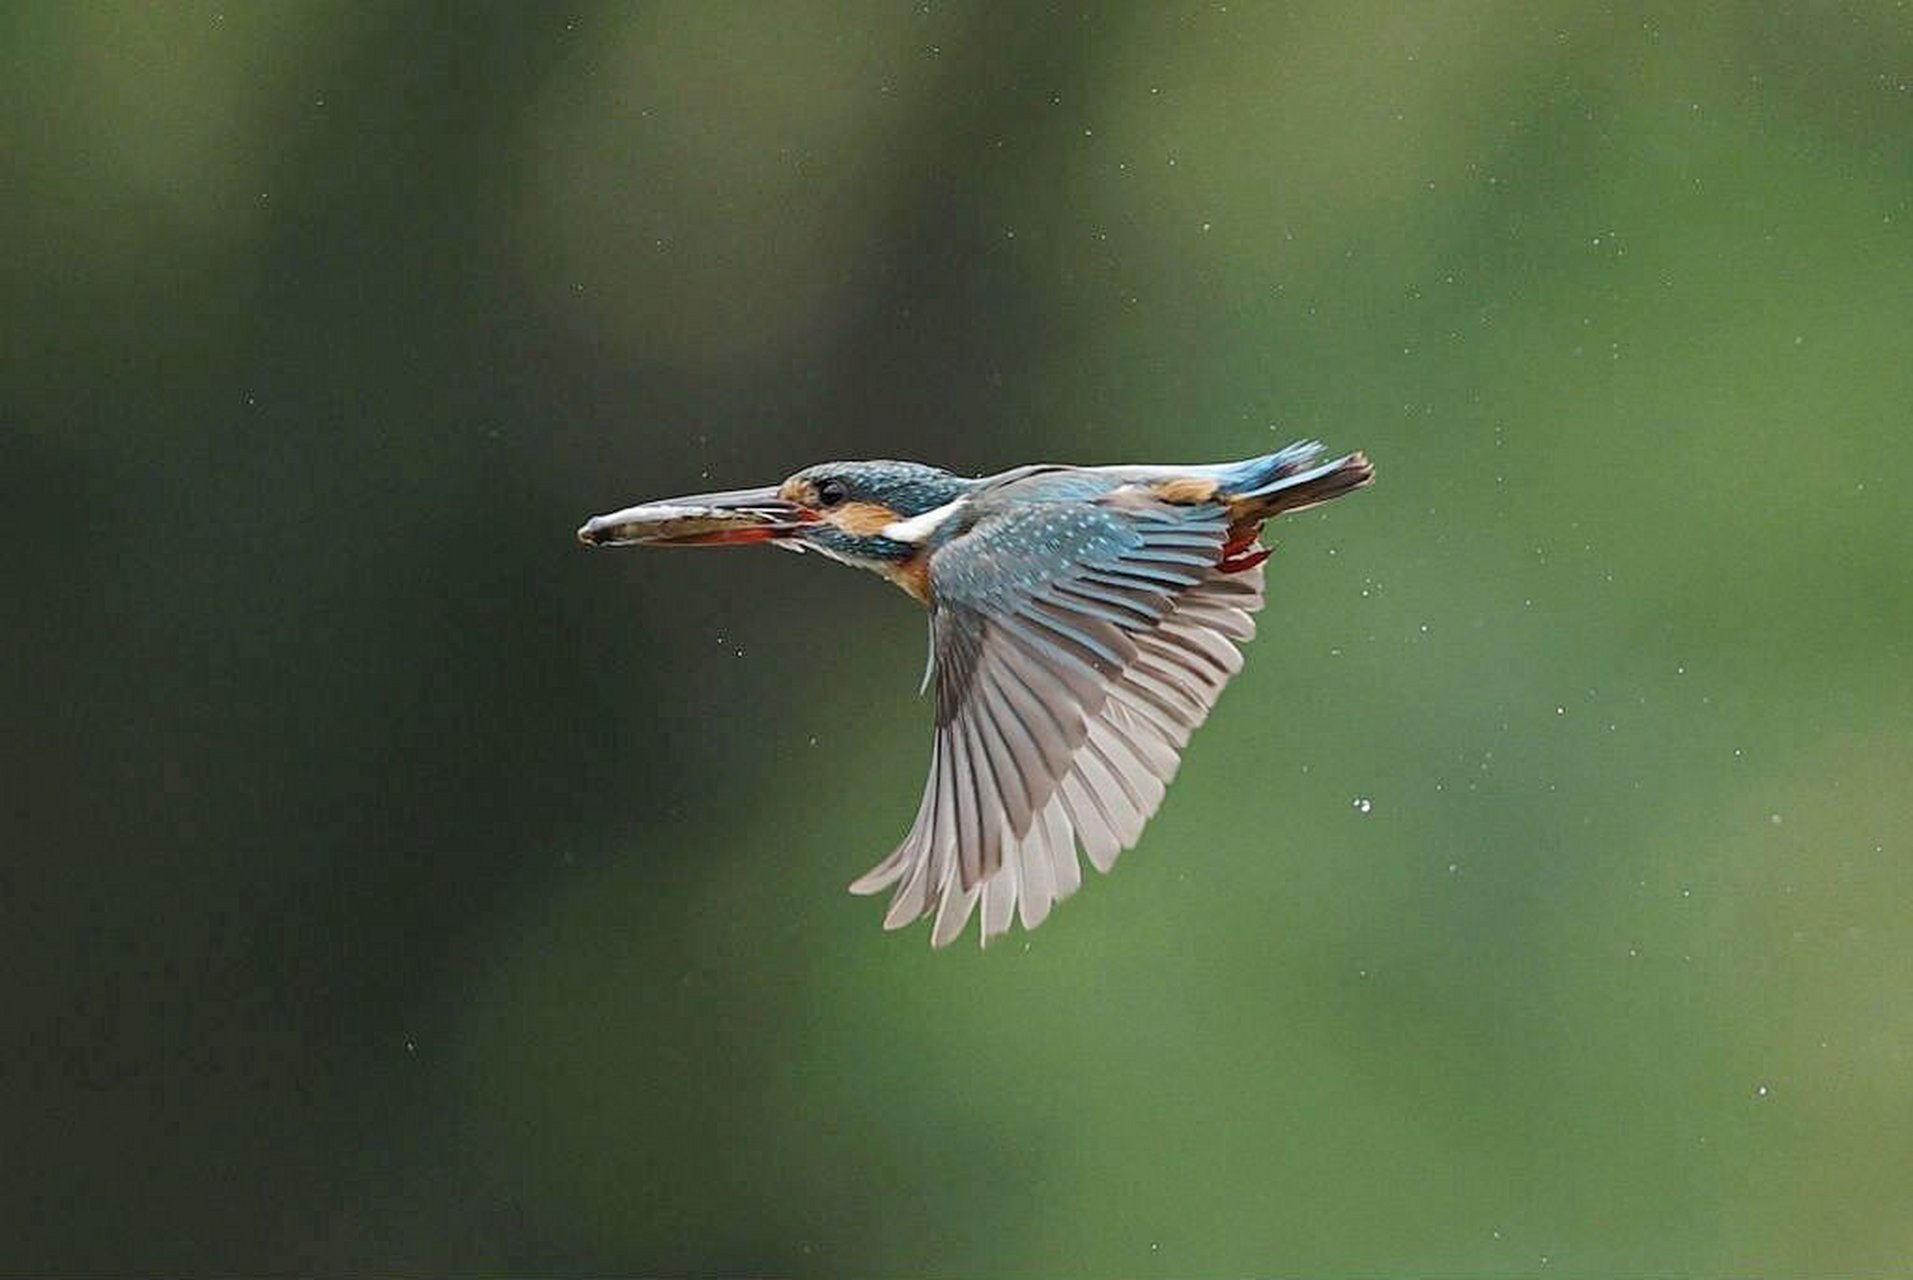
731,518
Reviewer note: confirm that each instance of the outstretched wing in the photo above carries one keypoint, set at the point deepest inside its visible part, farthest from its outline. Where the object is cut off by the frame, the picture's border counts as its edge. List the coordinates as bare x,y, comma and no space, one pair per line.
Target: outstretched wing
1076,646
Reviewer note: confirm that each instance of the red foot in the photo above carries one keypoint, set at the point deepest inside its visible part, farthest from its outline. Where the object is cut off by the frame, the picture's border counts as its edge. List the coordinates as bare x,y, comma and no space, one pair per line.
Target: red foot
1247,560
1240,553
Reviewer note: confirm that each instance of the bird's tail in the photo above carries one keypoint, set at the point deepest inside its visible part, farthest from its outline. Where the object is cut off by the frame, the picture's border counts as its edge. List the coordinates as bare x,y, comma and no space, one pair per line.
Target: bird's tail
1283,482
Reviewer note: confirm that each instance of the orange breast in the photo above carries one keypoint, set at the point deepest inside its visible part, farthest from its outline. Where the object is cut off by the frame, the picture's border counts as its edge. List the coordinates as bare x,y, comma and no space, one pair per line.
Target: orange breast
913,575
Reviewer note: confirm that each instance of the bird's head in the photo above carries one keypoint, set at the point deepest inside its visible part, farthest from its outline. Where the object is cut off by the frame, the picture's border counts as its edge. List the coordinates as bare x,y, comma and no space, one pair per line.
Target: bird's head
875,515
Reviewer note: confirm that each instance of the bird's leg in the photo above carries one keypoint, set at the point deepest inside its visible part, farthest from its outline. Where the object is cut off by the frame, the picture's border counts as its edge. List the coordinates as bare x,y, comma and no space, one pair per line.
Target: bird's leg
1240,552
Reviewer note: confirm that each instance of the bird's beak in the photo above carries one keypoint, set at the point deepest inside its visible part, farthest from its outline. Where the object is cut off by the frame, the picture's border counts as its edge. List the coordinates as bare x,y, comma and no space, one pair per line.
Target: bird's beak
698,520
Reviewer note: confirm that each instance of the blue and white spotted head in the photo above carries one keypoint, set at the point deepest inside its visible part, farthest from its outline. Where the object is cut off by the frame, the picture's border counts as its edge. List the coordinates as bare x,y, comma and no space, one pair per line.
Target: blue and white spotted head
1083,621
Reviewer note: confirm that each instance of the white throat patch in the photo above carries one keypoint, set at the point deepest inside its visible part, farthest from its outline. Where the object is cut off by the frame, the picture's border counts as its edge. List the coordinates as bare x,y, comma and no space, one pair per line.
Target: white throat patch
917,529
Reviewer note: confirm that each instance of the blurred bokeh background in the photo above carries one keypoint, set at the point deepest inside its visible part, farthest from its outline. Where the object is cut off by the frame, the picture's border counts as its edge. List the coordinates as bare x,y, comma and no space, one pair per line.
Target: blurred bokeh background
389,883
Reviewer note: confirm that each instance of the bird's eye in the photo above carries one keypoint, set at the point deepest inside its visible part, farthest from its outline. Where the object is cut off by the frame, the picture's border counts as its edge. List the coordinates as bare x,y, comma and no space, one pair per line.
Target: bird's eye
831,492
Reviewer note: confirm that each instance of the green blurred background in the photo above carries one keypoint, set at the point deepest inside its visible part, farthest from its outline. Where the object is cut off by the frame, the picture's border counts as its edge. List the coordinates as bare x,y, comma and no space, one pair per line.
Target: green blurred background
389,883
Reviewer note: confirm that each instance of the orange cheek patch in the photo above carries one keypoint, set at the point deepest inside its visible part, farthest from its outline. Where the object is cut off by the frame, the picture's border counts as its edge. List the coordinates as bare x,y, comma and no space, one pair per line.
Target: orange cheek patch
864,519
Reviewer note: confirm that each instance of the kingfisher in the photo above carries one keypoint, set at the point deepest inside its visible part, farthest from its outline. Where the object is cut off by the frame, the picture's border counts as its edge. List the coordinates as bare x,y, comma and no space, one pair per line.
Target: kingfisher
1083,621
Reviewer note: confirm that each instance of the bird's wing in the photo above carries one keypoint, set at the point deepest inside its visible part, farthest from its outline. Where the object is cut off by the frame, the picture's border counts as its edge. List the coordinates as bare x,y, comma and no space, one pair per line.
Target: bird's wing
1076,646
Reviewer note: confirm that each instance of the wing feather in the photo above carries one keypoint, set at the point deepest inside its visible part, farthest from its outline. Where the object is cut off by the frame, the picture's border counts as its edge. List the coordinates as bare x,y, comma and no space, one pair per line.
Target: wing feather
971,802
1066,873
1087,819
1063,704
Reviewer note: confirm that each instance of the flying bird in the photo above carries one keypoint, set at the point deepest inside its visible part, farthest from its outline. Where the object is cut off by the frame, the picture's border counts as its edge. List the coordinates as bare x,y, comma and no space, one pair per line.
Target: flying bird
1083,621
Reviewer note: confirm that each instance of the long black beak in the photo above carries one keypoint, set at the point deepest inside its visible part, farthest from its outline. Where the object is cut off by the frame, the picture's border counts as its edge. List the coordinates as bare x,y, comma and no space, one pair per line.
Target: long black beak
698,520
